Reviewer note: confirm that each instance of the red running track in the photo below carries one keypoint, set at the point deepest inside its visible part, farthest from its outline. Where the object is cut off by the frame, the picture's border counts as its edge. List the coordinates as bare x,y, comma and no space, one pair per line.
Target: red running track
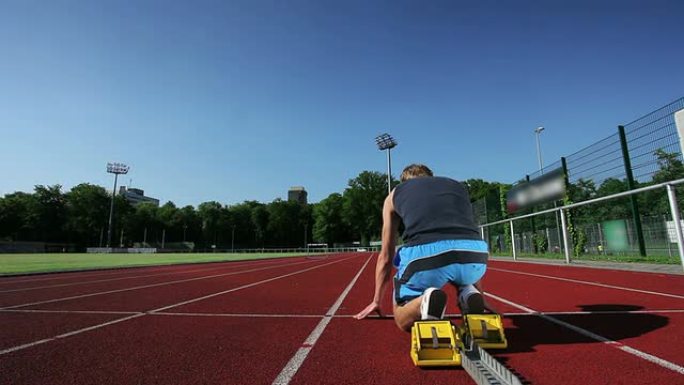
288,321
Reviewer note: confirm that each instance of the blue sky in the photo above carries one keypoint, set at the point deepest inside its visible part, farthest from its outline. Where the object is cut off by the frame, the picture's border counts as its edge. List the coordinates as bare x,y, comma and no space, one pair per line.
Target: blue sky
239,100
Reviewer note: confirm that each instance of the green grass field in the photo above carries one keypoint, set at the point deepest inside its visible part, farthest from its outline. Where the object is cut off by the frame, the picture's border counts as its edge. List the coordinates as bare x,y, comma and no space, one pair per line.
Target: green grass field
11,264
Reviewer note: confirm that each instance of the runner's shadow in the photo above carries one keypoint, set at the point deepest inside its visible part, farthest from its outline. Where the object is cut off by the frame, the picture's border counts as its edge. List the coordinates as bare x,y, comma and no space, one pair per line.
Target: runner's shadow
614,322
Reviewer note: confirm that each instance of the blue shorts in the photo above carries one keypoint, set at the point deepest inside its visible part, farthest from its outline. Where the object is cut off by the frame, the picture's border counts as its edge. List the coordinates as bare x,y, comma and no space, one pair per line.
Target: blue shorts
459,262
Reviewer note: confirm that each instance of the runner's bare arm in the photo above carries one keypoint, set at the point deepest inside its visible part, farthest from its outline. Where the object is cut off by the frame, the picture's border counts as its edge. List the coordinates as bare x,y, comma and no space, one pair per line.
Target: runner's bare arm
383,266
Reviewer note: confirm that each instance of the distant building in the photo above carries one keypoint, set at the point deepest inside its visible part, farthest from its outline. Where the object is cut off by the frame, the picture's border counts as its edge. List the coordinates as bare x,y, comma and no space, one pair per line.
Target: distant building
297,194
136,195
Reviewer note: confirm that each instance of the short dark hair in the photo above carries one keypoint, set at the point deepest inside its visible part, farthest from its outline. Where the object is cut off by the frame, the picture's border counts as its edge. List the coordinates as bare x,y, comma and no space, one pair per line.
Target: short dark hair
415,170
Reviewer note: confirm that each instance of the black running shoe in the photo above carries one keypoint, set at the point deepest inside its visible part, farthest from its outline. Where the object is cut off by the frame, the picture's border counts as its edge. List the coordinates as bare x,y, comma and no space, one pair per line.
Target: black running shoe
433,304
474,304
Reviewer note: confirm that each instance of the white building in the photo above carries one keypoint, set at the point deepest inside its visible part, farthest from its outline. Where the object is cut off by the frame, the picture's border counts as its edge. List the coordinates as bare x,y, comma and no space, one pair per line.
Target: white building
136,195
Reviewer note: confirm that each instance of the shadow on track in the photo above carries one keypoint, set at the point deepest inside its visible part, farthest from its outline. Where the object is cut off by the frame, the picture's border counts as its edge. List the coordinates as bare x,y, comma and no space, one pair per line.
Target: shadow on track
613,321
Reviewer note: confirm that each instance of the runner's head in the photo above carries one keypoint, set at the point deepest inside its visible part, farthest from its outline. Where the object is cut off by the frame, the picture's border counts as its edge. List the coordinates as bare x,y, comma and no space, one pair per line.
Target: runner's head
415,171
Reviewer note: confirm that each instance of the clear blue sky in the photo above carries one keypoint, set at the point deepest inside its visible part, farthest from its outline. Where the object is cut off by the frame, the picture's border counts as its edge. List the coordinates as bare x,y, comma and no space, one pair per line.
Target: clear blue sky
239,100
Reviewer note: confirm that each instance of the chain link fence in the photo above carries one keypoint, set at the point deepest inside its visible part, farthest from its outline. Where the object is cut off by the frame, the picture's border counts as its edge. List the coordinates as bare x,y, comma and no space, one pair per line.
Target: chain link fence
640,153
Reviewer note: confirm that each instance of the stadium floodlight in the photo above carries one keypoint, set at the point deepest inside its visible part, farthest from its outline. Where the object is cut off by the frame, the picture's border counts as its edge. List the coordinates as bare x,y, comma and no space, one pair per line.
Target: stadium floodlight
116,169
538,131
386,142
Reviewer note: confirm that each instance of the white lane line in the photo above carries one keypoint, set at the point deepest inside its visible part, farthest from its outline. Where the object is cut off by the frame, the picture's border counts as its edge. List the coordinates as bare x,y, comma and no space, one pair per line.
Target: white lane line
78,274
68,311
149,286
238,315
611,312
115,279
277,315
173,272
589,283
618,345
297,360
40,342
246,286
57,276
137,315
114,271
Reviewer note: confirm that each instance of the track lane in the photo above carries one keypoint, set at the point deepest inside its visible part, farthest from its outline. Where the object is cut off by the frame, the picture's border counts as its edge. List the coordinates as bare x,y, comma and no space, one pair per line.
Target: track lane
659,282
543,352
164,350
39,297
254,281
11,282
548,294
22,328
179,338
349,351
134,275
307,293
547,353
646,332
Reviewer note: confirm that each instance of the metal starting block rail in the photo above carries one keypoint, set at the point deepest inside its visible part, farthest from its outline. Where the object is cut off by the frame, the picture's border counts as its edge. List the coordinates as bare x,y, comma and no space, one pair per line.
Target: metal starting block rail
485,369
440,343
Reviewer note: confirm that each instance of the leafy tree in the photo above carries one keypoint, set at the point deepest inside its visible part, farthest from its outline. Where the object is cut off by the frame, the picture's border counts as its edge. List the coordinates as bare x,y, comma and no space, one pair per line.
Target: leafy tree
329,226
191,224
671,167
614,208
479,189
363,200
47,214
656,202
87,210
259,217
144,224
14,216
580,191
210,214
306,220
170,222
241,218
284,225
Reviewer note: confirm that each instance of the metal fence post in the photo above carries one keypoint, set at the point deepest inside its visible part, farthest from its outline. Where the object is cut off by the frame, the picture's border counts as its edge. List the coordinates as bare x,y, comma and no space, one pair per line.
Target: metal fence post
566,243
632,198
674,208
513,241
532,222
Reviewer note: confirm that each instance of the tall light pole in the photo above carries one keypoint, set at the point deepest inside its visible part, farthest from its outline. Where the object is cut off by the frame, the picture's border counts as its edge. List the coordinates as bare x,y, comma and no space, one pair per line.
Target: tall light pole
538,131
387,142
116,169
306,241
232,240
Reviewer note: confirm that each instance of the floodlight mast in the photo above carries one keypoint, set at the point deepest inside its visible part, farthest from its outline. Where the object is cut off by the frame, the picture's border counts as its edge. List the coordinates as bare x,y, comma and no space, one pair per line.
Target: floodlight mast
538,131
116,169
387,142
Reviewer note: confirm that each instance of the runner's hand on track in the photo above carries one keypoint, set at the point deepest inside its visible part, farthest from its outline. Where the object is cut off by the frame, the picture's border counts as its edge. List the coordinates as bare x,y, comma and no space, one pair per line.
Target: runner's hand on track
373,307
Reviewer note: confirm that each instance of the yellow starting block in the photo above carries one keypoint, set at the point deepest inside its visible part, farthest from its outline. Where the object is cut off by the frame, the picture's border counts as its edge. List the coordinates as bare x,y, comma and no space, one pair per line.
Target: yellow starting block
440,343
435,343
486,330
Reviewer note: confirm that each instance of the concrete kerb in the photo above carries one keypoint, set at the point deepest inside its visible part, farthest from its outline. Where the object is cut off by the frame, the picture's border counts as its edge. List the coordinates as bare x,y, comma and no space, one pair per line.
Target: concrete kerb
627,266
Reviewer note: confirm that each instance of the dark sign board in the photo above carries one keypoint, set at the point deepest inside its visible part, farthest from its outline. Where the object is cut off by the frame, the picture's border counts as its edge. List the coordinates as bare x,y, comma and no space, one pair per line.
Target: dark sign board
546,188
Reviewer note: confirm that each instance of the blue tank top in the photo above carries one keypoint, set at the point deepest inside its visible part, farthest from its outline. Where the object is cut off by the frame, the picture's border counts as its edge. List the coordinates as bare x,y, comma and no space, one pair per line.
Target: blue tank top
434,209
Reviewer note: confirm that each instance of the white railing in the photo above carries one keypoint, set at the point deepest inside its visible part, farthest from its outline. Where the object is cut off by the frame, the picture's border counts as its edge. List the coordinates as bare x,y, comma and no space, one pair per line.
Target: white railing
674,211
119,250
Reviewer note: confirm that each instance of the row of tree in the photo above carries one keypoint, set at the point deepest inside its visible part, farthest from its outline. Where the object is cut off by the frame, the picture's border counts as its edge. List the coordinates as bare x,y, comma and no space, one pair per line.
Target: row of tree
79,218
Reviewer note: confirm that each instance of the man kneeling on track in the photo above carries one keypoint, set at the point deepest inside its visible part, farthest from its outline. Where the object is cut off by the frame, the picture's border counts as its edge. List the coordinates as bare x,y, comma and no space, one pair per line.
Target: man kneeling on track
442,245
